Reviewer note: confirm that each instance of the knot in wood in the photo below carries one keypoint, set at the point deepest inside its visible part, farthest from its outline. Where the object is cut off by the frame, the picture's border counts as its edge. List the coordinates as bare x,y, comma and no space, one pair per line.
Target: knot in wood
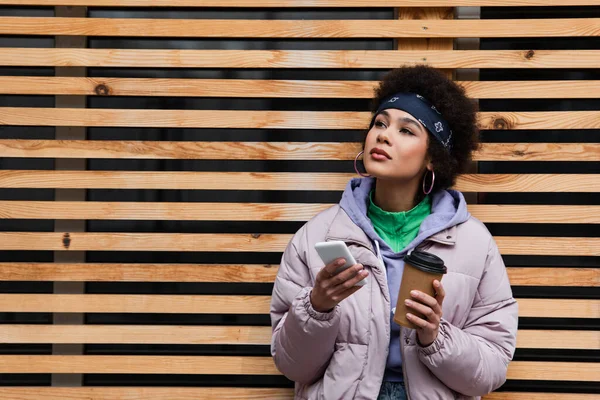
102,90
529,55
66,240
255,235
500,124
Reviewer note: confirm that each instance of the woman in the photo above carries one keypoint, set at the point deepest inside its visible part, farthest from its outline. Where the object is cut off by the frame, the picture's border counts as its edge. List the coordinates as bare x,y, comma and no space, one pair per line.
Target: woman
339,341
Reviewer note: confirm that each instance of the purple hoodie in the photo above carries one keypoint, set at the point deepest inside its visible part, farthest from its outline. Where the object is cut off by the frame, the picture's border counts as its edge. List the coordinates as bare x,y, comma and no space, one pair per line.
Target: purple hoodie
448,208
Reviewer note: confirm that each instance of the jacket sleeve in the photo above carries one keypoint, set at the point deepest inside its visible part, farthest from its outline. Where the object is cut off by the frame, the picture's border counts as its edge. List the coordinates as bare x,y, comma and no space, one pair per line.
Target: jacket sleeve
474,360
303,339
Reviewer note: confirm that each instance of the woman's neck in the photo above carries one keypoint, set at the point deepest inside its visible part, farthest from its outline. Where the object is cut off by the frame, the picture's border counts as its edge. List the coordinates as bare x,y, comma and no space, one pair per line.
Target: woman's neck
395,197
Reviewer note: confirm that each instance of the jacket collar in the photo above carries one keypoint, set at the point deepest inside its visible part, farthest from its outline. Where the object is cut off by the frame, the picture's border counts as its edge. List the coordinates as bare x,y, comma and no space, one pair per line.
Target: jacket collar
343,228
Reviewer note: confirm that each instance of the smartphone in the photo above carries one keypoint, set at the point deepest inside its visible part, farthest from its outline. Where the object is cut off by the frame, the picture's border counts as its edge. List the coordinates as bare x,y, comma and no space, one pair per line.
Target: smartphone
330,251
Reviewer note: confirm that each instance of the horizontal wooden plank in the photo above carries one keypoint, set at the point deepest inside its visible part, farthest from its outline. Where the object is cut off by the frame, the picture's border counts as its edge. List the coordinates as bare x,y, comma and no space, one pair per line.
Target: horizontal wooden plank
152,393
148,334
250,335
231,365
559,308
320,181
544,339
537,396
108,272
295,29
207,242
261,88
222,304
533,276
165,304
79,241
271,150
38,116
210,393
183,211
190,150
300,3
350,59
551,371
568,371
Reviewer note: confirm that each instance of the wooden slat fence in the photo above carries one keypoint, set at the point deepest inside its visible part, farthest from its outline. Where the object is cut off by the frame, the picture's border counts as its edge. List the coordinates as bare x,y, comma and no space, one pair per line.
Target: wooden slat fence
151,178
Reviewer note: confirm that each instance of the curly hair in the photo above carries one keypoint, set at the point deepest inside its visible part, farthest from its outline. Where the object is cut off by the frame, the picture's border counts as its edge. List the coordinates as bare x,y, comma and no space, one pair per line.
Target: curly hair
451,101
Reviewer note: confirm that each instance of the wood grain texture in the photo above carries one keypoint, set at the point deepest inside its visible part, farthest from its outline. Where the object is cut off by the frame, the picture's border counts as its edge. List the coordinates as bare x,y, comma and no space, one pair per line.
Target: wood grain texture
187,150
249,335
550,246
544,339
537,396
38,116
271,150
320,181
107,272
183,211
550,371
148,334
289,29
110,272
163,304
150,393
88,241
337,59
211,393
261,88
234,304
92,241
533,276
300,3
559,308
231,365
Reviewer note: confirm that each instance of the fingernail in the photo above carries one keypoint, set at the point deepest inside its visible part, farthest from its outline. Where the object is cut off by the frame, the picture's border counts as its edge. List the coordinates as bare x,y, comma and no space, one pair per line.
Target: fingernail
409,316
436,283
407,302
341,262
414,293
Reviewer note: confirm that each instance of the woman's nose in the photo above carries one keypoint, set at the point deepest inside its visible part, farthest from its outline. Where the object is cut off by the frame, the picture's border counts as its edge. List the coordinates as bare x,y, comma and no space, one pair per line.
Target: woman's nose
383,137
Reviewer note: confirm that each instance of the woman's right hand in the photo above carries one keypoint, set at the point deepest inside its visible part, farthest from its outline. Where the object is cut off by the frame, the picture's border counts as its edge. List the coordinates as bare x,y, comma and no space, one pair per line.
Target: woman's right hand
331,288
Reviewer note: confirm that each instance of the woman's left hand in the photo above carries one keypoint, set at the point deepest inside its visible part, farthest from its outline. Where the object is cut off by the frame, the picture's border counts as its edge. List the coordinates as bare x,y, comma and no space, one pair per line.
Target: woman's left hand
431,308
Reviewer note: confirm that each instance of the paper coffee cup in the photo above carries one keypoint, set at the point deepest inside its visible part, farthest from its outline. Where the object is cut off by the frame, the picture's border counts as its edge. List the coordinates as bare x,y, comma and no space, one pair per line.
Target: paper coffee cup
420,270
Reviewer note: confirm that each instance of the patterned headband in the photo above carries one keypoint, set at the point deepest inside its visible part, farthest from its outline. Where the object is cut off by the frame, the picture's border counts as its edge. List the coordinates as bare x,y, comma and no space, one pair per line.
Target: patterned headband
424,111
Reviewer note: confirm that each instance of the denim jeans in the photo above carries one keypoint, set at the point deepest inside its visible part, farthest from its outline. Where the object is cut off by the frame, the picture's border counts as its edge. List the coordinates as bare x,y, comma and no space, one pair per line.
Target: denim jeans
392,391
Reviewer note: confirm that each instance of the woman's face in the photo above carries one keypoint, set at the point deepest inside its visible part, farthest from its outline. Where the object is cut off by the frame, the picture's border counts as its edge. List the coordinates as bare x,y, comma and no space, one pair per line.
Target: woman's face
396,147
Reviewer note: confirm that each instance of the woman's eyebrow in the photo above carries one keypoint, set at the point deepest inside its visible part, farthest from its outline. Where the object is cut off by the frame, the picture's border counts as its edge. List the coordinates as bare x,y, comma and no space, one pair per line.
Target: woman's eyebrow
409,121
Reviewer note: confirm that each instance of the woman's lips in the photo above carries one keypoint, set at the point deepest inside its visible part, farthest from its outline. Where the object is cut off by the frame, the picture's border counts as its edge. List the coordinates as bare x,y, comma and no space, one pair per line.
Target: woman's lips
380,155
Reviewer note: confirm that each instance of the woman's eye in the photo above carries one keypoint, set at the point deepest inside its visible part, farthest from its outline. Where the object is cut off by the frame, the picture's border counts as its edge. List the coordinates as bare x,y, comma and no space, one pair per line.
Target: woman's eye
379,124
406,130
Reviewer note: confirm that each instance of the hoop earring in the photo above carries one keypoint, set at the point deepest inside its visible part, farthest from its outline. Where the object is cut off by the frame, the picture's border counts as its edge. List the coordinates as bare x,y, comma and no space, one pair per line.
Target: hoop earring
432,182
356,166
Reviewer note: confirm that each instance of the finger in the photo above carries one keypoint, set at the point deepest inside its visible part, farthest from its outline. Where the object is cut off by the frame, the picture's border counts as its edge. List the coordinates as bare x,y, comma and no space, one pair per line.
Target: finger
328,271
428,312
427,300
362,274
420,322
440,291
346,275
346,293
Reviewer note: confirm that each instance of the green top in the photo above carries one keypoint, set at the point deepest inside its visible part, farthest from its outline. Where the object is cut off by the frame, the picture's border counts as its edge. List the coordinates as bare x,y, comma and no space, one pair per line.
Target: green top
398,228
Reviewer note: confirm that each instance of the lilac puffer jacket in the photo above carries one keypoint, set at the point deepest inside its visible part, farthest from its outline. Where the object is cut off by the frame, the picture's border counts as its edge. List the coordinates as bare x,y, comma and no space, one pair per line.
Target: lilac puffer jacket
342,354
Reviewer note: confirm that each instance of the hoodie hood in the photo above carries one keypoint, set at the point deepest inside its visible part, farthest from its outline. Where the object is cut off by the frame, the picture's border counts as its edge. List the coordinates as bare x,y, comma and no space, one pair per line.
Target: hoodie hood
448,208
